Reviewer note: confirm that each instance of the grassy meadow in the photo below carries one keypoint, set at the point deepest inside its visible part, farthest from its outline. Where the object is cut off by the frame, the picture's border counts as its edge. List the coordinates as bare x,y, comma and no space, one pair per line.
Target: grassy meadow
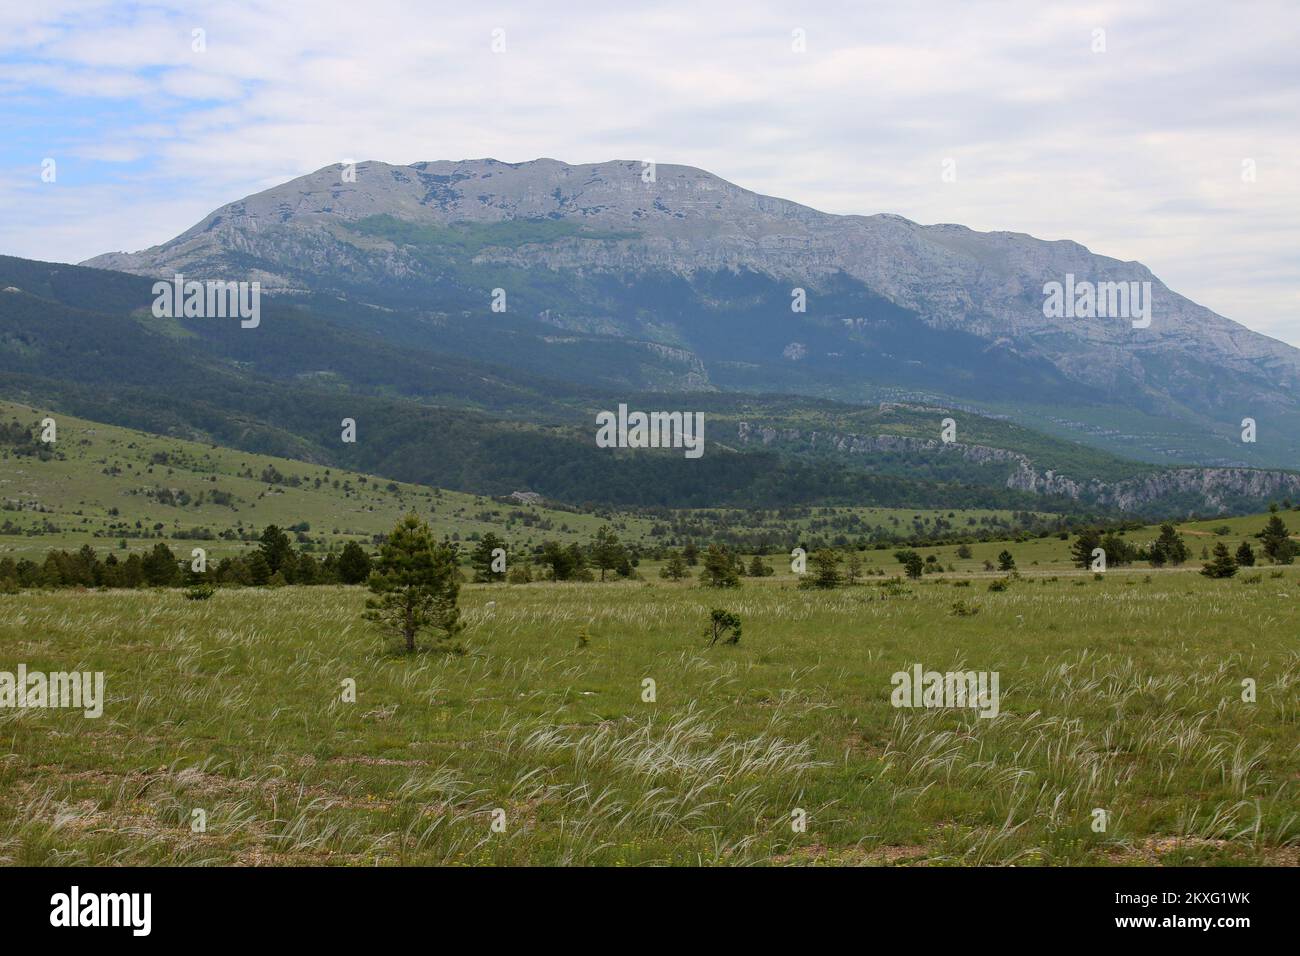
543,743
537,746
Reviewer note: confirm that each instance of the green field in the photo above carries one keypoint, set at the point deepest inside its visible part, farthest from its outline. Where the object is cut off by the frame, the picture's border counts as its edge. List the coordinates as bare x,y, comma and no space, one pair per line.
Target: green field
1123,695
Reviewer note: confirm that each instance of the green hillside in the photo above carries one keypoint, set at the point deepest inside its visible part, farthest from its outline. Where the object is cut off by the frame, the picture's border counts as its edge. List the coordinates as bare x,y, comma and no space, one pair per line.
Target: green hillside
123,490
103,484
439,413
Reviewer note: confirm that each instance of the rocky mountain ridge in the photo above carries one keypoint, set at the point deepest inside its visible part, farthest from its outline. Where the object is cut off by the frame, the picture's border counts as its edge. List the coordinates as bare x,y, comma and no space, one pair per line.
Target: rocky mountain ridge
1216,487
672,258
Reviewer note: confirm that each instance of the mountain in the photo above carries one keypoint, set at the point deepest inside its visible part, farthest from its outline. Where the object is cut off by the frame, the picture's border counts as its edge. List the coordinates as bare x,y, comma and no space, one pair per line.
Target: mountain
683,281
84,342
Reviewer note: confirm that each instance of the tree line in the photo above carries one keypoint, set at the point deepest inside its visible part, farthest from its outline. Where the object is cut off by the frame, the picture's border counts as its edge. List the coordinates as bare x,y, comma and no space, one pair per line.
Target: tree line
274,561
1169,548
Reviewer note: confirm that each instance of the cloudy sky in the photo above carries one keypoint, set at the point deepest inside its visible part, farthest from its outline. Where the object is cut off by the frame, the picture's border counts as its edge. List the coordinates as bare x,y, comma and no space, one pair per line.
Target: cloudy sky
1164,132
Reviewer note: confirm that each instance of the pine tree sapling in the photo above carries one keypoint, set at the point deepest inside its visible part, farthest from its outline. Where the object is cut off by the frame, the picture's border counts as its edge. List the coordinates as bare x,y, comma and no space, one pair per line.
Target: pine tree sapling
1276,540
825,566
1169,548
1222,565
415,584
719,569
675,569
485,559
607,552
1084,545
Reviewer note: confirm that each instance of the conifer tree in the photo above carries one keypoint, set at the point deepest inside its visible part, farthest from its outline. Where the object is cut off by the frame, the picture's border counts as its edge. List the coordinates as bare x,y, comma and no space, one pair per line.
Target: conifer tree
482,558
1221,565
415,584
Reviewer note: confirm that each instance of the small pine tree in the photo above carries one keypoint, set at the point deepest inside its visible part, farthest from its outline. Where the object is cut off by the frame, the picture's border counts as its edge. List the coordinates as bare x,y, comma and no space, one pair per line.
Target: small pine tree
1118,551
1276,539
578,561
353,564
1081,550
415,584
1222,565
607,552
913,565
1006,562
826,570
675,569
559,559
1245,555
275,548
719,569
1171,546
482,557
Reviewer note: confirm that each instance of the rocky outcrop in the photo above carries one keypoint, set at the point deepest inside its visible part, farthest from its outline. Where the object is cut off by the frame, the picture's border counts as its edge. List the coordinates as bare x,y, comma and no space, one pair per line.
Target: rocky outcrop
1213,489
866,444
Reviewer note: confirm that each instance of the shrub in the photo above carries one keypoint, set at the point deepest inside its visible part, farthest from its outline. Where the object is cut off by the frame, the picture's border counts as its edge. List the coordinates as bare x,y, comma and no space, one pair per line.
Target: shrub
720,622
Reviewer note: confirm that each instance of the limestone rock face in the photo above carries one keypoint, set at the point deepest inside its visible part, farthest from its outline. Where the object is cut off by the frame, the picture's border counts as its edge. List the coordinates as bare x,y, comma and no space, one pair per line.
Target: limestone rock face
1210,489
301,235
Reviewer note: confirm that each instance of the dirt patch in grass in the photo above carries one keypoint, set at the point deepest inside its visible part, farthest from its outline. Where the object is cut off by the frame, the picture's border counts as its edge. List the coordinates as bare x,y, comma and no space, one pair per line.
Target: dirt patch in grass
818,854
1155,851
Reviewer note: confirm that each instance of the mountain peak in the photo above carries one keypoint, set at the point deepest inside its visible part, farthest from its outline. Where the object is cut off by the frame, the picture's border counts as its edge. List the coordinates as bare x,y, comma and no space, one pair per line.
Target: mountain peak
378,230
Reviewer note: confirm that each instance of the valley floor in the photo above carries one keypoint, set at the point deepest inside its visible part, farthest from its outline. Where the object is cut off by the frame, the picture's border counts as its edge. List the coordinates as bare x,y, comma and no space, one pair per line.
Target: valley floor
1123,695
